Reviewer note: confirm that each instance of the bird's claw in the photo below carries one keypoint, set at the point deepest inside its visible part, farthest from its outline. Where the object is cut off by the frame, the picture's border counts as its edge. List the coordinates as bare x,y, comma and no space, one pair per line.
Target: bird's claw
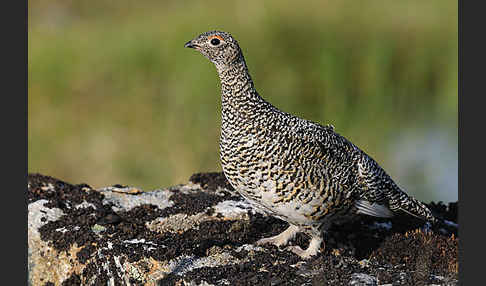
299,251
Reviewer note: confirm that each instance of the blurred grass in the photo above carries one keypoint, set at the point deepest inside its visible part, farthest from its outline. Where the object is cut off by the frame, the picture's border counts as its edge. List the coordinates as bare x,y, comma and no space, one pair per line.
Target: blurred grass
115,98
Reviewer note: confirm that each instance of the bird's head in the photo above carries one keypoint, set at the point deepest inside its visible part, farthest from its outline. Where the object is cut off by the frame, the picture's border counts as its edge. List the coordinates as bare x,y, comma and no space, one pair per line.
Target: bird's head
219,47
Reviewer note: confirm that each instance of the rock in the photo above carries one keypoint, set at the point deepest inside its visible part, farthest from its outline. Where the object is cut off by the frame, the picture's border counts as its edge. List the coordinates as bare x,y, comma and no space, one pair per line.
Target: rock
361,279
202,233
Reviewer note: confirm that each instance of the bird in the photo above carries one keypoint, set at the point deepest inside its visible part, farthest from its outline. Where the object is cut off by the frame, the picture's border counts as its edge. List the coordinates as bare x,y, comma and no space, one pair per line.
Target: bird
291,168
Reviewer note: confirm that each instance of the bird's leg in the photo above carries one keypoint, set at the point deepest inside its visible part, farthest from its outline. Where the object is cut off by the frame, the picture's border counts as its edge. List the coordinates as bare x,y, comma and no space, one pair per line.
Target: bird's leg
313,248
282,238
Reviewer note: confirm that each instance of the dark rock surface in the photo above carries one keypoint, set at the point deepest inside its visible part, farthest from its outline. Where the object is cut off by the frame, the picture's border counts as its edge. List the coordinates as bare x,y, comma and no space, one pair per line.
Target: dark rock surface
203,233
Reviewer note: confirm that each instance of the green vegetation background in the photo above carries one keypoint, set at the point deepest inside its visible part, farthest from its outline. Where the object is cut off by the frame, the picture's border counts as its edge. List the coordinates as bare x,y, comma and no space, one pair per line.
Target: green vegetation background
115,98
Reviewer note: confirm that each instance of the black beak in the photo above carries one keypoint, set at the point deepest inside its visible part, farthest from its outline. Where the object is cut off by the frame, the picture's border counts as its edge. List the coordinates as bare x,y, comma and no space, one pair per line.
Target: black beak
190,45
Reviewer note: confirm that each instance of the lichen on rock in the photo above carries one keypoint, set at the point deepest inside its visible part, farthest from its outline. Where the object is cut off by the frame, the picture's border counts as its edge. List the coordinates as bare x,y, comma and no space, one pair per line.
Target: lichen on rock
203,233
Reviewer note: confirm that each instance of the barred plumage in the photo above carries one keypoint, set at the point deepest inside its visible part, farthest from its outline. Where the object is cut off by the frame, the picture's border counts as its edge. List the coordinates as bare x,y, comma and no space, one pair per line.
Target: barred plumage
292,168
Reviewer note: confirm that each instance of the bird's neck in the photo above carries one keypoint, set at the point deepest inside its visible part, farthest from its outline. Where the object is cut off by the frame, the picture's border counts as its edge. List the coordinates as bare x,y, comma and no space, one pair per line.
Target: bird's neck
238,94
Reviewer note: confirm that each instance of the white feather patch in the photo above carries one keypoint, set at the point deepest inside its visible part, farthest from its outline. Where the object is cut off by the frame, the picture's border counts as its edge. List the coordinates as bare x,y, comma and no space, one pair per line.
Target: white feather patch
373,209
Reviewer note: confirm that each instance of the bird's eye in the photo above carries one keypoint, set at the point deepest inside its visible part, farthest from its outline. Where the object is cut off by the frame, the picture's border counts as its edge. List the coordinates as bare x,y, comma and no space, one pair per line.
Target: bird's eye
215,41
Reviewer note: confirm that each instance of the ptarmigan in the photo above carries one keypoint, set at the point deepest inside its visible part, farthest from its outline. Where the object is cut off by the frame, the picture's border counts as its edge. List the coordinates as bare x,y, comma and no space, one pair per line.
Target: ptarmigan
292,168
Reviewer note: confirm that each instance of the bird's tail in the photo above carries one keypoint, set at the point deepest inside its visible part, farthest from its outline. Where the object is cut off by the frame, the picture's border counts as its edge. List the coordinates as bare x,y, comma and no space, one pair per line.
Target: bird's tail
402,201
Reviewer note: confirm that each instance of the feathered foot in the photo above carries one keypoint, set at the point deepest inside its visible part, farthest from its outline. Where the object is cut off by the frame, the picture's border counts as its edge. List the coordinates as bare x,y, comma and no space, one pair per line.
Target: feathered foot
313,248
282,238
